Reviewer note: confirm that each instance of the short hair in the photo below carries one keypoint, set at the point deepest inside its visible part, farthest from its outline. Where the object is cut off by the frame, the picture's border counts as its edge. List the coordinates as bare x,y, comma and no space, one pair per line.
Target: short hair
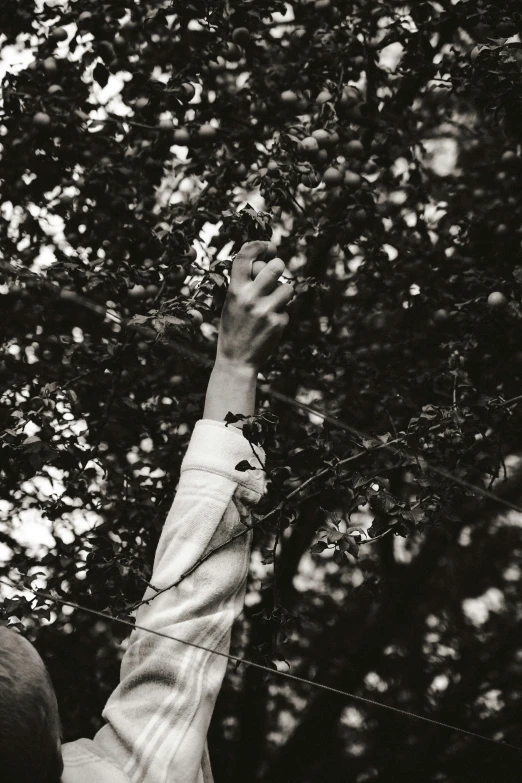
30,728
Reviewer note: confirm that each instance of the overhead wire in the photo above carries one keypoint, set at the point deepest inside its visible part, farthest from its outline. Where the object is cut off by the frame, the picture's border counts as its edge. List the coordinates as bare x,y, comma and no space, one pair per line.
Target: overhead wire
396,450
238,660
267,389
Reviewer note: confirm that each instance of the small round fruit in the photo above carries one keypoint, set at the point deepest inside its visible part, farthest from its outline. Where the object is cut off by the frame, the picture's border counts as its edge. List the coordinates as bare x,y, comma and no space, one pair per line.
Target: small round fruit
192,254
311,180
84,18
354,148
166,124
332,177
289,98
196,317
332,140
506,29
350,96
497,300
359,216
181,137
50,65
106,50
309,144
258,108
241,36
137,292
54,89
232,53
207,133
41,120
321,136
151,290
140,103
323,97
352,179
188,90
501,230
439,316
175,381
59,34
120,42
509,156
271,251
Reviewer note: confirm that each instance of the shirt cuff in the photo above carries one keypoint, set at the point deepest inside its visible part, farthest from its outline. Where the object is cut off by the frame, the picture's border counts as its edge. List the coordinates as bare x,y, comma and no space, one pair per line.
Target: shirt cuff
218,448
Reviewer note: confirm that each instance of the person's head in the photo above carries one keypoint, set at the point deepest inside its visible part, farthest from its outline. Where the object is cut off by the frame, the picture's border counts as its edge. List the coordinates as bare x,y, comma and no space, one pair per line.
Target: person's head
30,728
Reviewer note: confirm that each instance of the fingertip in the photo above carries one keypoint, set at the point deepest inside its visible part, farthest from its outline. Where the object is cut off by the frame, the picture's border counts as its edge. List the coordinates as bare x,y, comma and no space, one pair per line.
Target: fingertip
276,262
255,247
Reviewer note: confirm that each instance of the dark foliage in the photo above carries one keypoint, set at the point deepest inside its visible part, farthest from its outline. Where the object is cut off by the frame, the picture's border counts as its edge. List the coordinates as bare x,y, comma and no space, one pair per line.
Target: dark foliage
406,325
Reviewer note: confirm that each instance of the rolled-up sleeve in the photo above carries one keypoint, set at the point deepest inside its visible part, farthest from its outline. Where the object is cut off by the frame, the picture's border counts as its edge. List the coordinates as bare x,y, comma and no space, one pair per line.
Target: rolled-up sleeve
157,718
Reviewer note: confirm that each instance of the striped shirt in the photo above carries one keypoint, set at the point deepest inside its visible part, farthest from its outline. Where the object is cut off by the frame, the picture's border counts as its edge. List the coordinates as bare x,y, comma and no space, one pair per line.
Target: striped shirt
157,719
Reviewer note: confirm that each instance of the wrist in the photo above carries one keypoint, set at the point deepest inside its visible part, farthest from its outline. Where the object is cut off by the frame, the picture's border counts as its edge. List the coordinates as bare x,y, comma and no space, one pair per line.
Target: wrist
232,387
235,367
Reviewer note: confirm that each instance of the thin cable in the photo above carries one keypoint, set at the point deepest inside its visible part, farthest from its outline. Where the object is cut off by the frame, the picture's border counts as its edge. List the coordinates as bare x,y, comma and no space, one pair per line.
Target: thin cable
236,659
266,389
389,446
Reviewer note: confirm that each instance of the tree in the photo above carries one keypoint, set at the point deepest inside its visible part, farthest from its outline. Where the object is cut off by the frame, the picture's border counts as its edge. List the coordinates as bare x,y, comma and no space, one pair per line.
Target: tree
319,126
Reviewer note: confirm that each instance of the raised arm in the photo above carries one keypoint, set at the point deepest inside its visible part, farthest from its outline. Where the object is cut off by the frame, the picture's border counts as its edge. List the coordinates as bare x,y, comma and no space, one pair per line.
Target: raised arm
158,717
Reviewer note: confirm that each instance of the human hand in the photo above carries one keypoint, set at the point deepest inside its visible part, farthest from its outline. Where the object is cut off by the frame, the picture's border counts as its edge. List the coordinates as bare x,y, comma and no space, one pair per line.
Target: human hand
254,314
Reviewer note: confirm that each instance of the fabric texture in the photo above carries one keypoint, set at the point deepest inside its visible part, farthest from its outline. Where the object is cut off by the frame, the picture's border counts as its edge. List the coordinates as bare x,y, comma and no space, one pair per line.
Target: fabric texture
157,719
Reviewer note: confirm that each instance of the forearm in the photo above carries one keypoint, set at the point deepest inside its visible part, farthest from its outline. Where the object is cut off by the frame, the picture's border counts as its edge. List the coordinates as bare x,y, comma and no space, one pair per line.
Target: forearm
158,717
232,387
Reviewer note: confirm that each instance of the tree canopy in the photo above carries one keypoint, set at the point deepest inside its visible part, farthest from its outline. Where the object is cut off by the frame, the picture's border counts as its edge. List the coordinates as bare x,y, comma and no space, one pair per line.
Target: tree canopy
378,145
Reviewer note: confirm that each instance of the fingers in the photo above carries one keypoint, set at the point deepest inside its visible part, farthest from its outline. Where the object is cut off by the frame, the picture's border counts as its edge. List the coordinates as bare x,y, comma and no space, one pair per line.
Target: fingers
279,299
242,264
267,278
257,266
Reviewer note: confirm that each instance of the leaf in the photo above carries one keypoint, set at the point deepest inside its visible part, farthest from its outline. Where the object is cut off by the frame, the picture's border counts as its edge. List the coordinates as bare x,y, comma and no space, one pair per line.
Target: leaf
253,432
231,418
334,536
412,515
379,525
360,481
101,75
370,443
244,465
138,319
429,412
217,278
318,547
383,502
352,546
339,557
33,444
